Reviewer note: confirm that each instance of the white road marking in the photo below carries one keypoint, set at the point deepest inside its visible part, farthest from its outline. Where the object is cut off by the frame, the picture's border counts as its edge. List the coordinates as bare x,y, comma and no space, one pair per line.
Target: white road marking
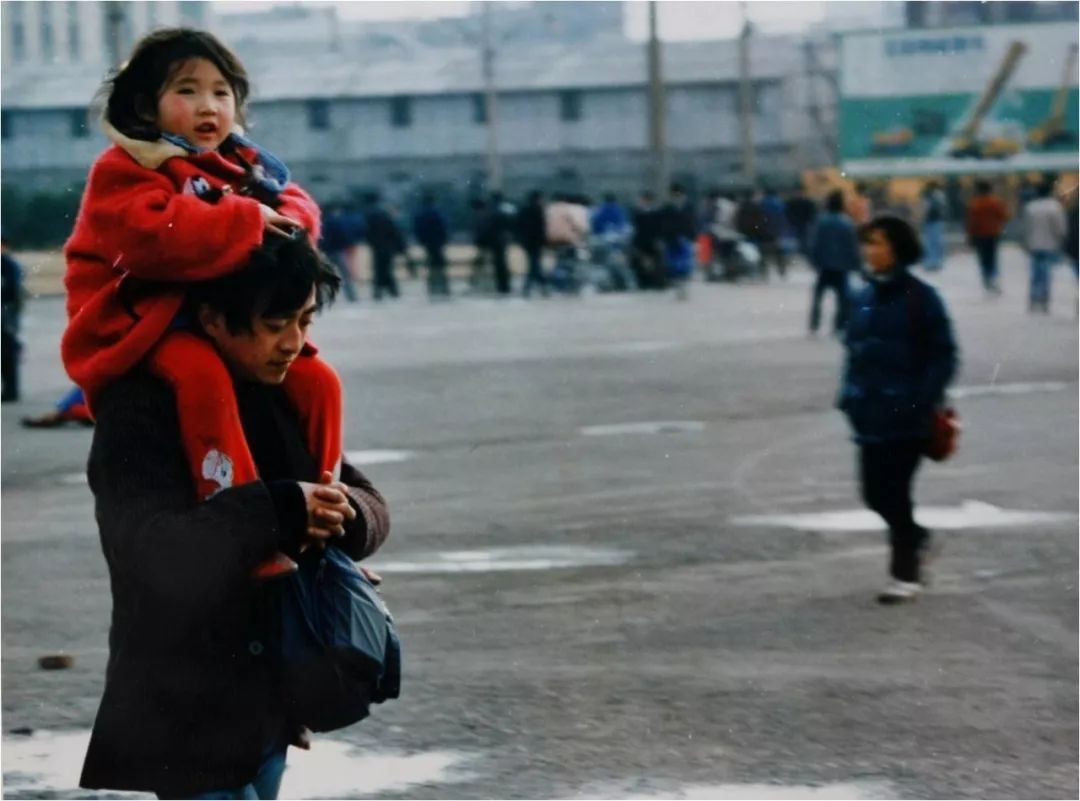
74,478
970,514
490,560
50,762
369,457
646,427
1022,388
847,790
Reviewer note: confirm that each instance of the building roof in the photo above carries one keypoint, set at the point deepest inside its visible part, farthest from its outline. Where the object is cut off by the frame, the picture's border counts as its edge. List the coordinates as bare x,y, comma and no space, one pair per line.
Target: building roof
610,63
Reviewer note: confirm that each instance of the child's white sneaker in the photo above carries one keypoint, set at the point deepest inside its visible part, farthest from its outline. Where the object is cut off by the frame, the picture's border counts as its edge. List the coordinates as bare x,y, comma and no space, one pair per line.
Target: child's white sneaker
899,592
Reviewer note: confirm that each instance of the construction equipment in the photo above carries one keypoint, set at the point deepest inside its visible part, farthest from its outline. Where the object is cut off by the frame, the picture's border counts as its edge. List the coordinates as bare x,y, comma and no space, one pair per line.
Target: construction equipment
1052,131
894,140
967,142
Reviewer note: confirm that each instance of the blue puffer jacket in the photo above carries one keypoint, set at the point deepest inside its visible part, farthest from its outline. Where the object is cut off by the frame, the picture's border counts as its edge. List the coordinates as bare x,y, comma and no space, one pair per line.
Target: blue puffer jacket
901,355
834,245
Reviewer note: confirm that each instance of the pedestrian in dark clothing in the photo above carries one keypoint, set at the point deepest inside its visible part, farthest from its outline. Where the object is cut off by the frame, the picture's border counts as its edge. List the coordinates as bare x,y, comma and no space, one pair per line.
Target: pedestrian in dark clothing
986,218
340,234
901,355
834,253
11,306
193,704
646,243
801,213
678,229
773,245
386,242
499,231
532,236
752,222
430,229
1072,236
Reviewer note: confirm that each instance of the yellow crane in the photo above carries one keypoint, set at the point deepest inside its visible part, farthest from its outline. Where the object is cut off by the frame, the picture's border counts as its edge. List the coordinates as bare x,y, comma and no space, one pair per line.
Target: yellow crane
1053,130
967,141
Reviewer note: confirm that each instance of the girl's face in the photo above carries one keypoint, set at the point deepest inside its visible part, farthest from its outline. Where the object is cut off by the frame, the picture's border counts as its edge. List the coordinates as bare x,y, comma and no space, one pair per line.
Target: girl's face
198,104
877,252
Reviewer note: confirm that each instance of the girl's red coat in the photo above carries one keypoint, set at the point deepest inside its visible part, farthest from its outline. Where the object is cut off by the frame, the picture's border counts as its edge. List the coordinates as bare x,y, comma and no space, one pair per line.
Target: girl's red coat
139,223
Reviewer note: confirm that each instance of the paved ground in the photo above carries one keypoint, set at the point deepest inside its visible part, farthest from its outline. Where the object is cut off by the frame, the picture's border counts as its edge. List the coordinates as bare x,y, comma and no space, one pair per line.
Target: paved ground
587,612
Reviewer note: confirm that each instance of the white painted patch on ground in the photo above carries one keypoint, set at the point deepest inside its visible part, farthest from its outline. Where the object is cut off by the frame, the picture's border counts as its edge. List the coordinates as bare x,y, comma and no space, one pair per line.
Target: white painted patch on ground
369,457
847,790
969,514
1022,388
646,427
50,762
642,347
490,560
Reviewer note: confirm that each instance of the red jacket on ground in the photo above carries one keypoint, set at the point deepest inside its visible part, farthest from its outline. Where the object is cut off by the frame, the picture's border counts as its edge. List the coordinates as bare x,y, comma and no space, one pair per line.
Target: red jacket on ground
142,220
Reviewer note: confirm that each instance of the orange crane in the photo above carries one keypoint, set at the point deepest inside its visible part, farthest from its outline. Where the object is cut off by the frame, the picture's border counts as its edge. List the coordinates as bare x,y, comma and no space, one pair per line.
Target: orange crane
1052,130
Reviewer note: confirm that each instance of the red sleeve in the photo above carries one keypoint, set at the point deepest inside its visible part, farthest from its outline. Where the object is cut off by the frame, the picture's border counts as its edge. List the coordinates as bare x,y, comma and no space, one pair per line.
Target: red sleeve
154,232
297,204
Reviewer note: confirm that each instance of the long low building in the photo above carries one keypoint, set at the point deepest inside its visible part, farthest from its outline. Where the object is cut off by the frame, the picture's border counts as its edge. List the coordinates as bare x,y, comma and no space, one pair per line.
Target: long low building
572,118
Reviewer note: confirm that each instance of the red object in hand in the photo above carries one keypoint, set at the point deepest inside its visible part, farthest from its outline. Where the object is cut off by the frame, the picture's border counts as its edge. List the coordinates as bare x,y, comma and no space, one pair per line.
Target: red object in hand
944,436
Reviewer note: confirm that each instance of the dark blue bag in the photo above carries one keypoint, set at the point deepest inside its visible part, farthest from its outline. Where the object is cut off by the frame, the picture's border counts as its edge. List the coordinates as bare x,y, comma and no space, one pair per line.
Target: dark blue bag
340,650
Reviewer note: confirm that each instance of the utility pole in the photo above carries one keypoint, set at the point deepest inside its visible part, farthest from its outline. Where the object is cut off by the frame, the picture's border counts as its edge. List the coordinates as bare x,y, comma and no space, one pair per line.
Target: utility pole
491,104
657,109
114,31
746,102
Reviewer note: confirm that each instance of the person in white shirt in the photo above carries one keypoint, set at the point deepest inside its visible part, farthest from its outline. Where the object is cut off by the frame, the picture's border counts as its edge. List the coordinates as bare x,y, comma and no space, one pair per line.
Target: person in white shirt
1044,229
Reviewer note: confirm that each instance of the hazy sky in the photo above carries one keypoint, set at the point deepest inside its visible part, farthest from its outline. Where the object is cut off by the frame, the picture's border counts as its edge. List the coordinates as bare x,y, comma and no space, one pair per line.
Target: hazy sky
679,19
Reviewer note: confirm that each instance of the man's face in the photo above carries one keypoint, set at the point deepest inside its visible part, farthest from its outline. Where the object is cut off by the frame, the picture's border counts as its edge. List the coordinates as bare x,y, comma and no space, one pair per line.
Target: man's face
265,353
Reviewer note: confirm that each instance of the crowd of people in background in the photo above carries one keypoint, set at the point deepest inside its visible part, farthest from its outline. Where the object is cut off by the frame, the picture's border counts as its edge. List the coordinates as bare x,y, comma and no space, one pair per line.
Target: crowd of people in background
571,242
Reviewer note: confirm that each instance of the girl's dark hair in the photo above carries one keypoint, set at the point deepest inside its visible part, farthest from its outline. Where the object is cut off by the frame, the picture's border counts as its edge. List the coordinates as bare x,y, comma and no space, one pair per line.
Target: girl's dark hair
835,201
904,240
130,95
276,281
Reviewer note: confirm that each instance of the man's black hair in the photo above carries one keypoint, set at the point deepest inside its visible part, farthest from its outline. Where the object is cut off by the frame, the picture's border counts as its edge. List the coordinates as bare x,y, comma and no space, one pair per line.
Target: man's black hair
983,187
132,93
276,281
904,240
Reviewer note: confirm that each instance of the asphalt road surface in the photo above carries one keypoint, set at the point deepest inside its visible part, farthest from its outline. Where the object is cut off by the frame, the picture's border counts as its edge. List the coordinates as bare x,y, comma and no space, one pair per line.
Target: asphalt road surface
628,557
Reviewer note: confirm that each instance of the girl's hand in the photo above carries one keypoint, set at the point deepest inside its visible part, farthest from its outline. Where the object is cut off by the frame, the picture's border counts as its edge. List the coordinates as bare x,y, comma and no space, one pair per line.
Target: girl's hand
277,223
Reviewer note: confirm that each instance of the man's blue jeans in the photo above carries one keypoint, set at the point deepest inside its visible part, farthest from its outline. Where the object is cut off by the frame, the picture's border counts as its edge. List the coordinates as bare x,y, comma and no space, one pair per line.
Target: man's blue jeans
1042,261
266,783
934,240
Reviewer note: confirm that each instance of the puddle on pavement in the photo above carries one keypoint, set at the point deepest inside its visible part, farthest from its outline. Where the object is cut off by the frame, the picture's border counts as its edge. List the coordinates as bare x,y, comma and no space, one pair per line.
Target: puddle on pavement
490,560
847,790
646,427
50,762
362,458
969,514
